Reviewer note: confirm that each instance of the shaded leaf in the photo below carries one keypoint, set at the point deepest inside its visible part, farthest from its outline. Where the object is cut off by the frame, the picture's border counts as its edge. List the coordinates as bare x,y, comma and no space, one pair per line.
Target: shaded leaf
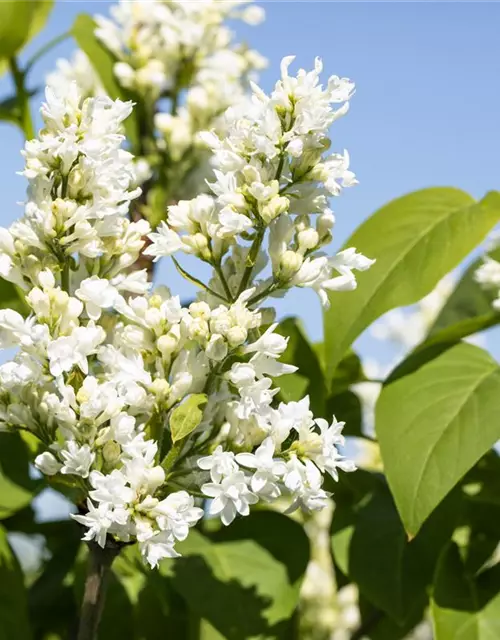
434,425
246,581
14,622
52,605
16,487
300,352
370,546
346,407
416,239
12,298
465,607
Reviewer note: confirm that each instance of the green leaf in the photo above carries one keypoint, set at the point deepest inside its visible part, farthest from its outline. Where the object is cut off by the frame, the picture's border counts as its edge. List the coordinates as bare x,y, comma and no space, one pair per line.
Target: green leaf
349,371
371,547
15,24
434,425
14,622
246,581
187,416
465,607
346,407
301,353
416,239
16,487
11,297
51,600
440,342
293,387
40,15
468,301
103,62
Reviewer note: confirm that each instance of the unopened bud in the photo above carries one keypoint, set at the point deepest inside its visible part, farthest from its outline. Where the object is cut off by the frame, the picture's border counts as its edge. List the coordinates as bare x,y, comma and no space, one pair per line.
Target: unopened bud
236,336
308,239
290,263
111,452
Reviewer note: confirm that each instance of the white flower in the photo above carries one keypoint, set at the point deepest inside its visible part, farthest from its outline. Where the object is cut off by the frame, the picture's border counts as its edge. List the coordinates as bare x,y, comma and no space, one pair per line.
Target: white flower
156,547
220,464
329,459
267,469
97,294
98,522
269,344
304,480
164,242
77,459
47,463
230,497
176,513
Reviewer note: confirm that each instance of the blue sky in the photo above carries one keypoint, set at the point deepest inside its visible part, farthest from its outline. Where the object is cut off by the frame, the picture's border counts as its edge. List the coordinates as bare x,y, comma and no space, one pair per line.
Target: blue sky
425,112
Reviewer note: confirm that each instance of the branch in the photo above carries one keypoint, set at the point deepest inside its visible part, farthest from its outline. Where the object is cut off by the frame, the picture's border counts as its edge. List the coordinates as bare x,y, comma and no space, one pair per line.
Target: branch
98,569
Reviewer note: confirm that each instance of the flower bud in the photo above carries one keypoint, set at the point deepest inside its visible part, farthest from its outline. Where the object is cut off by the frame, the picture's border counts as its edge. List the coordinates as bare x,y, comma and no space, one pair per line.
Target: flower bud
290,263
167,344
236,336
47,463
160,387
308,239
216,348
274,208
111,452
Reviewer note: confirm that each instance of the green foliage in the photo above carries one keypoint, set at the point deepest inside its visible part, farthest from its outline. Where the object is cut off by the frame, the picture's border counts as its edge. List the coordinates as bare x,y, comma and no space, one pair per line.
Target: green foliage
244,581
416,240
434,425
14,621
103,62
300,353
12,298
468,301
16,487
20,22
187,416
371,547
465,606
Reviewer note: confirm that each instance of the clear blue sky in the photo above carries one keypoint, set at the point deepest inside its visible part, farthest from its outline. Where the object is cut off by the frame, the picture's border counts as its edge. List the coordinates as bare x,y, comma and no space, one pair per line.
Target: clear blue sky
425,113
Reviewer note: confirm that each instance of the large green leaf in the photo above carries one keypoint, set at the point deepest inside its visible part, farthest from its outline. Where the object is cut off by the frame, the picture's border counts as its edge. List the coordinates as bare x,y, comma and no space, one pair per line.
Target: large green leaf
103,62
416,240
465,607
14,622
434,425
371,547
16,487
245,581
300,352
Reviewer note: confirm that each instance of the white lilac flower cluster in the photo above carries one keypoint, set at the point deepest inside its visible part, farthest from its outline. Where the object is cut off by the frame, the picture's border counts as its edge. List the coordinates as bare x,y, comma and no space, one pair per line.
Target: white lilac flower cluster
180,62
273,178
105,366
